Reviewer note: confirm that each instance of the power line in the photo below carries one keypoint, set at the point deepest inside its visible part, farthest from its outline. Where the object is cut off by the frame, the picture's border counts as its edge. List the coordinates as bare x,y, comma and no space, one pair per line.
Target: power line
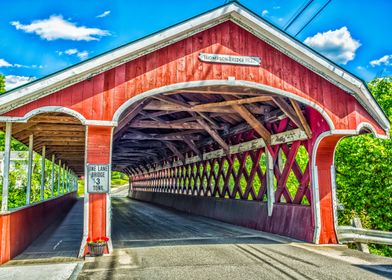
313,17
297,14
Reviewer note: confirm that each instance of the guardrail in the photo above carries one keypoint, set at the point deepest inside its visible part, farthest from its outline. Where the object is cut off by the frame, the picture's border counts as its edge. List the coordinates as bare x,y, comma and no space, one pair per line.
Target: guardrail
362,236
349,234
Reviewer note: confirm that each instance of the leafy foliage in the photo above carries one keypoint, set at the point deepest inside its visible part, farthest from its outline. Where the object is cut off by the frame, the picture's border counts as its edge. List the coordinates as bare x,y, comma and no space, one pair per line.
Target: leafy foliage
2,83
363,169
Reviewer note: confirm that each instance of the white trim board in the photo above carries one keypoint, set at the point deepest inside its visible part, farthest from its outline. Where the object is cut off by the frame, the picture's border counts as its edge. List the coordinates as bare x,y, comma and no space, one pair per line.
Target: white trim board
232,11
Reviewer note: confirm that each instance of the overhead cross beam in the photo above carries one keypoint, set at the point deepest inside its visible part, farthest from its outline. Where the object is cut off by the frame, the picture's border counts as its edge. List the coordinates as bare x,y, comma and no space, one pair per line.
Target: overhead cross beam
211,131
167,125
231,102
162,106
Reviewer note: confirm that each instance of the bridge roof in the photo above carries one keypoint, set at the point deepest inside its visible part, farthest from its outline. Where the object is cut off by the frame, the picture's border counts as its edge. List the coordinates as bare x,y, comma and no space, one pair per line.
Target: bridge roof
234,12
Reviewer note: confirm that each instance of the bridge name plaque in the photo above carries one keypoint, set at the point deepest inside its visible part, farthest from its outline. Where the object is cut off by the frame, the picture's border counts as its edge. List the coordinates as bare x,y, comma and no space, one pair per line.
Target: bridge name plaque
230,59
98,178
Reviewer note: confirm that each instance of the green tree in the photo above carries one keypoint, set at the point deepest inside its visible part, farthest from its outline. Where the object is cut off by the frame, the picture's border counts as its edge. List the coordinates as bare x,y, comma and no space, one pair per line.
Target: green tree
2,83
364,168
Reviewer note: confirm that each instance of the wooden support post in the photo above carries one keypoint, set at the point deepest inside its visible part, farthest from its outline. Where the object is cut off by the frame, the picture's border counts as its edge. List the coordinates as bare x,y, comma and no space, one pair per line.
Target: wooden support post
52,177
42,192
59,178
67,180
63,180
6,170
29,169
270,181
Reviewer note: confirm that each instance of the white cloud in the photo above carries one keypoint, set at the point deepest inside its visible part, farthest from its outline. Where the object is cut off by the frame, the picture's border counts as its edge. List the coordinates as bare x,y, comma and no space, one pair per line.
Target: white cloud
55,27
71,51
4,63
104,14
82,55
337,45
386,60
264,13
12,81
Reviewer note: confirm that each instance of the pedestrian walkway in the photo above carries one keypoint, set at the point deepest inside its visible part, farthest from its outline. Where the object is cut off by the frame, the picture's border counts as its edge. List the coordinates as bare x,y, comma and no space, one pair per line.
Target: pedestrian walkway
59,241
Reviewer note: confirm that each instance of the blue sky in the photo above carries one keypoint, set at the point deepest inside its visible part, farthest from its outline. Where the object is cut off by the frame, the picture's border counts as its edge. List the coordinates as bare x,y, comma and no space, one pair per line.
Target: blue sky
40,37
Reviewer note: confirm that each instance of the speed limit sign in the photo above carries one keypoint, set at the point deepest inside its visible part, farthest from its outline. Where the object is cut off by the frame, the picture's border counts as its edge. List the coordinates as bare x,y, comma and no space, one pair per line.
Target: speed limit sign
98,178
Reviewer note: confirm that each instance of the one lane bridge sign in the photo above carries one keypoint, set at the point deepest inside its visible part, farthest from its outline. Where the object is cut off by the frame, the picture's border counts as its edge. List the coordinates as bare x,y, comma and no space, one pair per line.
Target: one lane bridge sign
98,178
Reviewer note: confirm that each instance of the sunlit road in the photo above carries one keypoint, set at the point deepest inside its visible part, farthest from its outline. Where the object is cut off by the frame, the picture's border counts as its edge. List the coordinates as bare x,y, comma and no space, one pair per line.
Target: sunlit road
157,243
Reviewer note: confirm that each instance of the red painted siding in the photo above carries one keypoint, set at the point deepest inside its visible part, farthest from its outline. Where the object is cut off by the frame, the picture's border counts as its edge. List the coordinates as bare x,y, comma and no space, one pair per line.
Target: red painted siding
101,96
20,228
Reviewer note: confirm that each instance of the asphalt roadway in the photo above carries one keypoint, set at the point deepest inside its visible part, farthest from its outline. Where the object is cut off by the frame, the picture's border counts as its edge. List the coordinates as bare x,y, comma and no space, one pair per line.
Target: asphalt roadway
152,242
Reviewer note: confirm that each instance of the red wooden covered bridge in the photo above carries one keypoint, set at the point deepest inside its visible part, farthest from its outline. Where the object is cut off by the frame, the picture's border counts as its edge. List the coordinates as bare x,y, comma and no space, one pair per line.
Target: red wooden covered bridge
208,116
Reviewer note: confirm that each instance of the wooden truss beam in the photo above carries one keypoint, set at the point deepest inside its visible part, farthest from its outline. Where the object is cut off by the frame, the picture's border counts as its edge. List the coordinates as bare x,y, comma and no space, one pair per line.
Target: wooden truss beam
289,111
233,102
276,139
166,125
175,151
192,146
253,122
122,126
302,118
214,135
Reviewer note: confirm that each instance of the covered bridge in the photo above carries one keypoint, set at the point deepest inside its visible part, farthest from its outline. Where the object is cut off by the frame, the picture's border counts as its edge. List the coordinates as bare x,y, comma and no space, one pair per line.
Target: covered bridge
207,116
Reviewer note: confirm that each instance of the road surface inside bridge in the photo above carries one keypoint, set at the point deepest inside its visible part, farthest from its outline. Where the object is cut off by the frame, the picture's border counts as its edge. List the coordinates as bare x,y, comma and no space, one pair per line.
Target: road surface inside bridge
152,242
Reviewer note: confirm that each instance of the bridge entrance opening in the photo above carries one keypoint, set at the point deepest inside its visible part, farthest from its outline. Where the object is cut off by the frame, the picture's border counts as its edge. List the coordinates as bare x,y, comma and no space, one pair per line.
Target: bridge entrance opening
235,153
39,202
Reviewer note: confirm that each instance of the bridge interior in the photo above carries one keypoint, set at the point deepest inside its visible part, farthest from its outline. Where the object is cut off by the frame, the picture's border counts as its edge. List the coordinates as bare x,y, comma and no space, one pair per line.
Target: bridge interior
228,142
189,122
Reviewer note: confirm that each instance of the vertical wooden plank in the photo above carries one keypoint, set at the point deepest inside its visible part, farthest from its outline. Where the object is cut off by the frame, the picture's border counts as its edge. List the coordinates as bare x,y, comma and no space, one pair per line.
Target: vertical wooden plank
6,169
63,179
98,102
29,169
119,92
87,93
108,94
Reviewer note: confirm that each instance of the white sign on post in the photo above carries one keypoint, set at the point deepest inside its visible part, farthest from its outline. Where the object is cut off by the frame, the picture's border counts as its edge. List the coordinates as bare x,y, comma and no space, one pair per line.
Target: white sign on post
98,178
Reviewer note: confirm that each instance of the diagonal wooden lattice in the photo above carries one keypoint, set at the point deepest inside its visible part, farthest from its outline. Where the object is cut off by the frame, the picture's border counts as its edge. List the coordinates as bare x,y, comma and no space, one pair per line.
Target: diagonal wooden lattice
240,176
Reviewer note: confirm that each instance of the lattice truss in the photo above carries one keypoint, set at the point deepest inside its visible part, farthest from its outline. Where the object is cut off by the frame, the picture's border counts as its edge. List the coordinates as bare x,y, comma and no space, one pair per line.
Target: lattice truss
241,175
